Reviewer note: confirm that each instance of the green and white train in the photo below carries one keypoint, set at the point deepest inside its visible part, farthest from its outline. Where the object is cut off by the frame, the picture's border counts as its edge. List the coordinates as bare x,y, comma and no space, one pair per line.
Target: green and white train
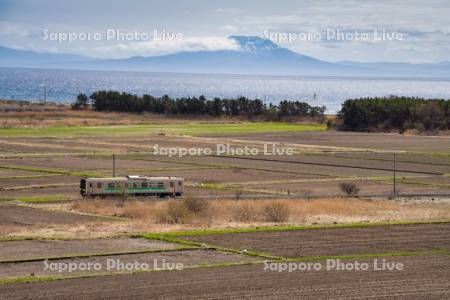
132,185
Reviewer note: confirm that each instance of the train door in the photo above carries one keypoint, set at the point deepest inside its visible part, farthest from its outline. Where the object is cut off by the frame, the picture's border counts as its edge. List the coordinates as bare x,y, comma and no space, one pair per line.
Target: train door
90,187
172,188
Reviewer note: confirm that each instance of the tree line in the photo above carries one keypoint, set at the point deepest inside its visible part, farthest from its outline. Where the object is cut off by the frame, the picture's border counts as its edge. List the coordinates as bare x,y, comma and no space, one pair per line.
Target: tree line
394,113
241,106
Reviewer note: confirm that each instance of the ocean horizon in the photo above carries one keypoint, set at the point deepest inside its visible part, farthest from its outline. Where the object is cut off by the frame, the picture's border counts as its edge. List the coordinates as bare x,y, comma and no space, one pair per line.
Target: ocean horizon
63,86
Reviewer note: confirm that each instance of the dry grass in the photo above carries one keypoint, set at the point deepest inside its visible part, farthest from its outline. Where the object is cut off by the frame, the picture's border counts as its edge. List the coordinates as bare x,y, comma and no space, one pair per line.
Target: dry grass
142,210
15,114
276,212
196,205
176,212
45,119
222,212
241,211
145,216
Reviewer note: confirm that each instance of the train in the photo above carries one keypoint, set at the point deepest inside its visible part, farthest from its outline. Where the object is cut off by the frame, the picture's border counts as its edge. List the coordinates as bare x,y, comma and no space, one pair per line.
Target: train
132,185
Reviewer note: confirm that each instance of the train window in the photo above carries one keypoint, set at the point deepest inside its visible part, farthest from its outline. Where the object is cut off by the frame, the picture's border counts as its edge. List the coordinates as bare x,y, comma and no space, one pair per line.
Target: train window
99,185
135,185
172,184
144,184
160,184
111,185
179,183
90,185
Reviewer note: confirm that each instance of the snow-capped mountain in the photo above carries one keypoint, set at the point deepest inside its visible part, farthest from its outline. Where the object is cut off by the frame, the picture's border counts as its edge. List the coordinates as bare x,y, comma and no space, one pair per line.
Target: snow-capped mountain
254,55
254,44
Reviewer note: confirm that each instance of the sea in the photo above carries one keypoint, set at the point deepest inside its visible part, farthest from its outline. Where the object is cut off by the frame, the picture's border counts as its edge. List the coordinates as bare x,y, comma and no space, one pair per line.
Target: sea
331,92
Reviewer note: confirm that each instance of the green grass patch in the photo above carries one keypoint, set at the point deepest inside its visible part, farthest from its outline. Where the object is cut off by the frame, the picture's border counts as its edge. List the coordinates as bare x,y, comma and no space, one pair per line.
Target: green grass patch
15,238
27,279
193,128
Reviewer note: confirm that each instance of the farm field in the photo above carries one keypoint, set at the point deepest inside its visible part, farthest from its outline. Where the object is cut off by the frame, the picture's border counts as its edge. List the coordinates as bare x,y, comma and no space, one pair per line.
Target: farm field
337,241
424,278
188,258
40,165
379,141
15,215
56,169
32,249
223,246
422,251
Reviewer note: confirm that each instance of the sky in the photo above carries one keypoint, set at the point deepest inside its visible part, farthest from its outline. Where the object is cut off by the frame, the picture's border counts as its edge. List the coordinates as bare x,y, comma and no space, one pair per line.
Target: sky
332,30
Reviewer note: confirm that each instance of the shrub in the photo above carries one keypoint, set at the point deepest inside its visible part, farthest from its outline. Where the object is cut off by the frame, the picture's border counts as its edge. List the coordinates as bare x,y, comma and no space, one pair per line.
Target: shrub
349,188
244,212
196,205
175,213
82,102
330,124
276,212
395,113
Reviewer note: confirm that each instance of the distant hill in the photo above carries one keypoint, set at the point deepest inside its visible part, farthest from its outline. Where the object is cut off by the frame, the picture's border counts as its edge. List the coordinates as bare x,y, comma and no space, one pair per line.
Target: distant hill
253,56
30,59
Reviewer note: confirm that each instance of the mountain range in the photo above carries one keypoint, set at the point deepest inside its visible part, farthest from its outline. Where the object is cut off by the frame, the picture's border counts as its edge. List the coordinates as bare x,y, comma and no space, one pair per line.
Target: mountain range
254,55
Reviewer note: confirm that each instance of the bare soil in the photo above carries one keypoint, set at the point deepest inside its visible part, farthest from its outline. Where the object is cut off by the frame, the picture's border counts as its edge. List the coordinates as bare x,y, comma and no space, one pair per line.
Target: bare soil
4,173
380,141
26,216
71,163
71,190
338,241
32,249
186,257
423,277
386,156
38,181
367,188
301,164
231,175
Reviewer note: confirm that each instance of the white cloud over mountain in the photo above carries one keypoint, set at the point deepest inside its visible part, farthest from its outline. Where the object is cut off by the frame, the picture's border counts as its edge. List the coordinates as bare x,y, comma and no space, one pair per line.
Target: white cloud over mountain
206,24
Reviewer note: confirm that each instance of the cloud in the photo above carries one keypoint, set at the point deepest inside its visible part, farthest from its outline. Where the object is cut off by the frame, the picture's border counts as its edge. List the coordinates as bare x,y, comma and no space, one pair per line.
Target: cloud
425,24
156,47
228,10
10,29
228,28
415,16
